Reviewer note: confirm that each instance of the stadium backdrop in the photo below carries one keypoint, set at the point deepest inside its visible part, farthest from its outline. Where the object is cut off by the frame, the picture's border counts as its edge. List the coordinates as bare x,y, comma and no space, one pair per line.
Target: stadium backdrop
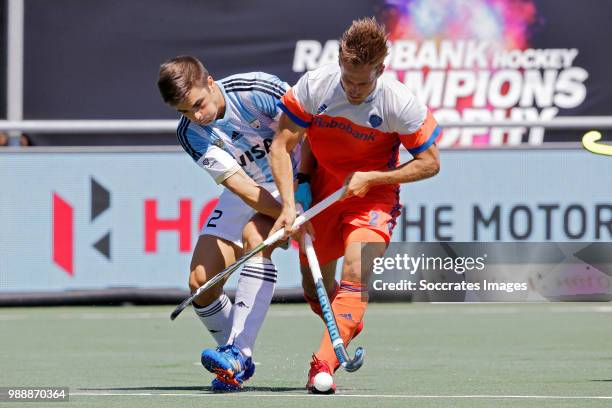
78,66
75,221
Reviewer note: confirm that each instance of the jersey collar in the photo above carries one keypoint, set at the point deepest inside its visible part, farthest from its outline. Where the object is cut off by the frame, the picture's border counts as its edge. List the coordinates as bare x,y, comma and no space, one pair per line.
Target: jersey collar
374,92
226,116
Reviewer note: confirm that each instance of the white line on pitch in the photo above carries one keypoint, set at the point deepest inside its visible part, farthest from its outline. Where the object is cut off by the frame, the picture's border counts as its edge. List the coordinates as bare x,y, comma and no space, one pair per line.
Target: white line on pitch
281,395
12,317
86,316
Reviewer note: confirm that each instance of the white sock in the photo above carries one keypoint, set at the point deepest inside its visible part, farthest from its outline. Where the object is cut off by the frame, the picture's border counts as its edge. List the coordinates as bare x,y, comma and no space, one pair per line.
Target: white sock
253,296
217,318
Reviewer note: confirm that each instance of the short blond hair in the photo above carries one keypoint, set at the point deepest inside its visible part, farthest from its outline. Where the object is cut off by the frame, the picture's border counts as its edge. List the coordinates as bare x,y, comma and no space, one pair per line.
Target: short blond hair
364,43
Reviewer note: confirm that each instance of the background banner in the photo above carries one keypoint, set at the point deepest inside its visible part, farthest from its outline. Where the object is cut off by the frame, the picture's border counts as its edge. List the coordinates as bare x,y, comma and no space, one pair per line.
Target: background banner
130,220
482,59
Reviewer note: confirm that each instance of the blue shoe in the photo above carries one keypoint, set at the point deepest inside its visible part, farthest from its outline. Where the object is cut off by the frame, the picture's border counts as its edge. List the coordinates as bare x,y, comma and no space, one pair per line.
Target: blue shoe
230,366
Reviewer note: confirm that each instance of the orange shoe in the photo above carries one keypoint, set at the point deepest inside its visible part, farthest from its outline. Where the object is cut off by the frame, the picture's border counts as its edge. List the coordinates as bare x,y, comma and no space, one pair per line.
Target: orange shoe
318,366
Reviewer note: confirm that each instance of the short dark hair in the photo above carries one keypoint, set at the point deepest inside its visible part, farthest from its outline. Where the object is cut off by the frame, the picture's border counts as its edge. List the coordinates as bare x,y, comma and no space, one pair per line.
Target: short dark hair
364,43
178,76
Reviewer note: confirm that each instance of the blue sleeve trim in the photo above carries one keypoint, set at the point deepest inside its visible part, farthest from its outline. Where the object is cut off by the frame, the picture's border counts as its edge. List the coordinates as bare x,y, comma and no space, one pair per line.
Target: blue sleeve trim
294,118
428,143
182,134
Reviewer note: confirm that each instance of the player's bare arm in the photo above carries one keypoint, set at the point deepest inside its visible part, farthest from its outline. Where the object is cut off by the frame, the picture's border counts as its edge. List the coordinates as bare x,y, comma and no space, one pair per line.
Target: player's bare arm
307,162
287,137
303,194
253,194
424,165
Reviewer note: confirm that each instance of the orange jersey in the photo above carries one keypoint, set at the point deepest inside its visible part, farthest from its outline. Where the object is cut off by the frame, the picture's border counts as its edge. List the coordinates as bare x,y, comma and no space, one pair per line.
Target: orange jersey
347,138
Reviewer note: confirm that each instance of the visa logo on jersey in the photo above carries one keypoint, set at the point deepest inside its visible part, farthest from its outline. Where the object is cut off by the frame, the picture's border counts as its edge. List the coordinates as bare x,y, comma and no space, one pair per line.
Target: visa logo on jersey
255,153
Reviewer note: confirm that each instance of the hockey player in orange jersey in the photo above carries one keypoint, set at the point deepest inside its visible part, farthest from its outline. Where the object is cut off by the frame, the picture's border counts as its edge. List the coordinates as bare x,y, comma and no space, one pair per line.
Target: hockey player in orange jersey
355,120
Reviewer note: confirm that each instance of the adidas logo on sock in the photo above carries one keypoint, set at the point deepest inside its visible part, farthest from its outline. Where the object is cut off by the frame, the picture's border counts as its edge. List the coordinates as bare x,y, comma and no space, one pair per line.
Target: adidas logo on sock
347,316
242,304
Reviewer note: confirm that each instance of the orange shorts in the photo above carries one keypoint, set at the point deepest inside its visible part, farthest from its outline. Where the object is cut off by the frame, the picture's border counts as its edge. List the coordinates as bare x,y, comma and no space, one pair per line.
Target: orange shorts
377,211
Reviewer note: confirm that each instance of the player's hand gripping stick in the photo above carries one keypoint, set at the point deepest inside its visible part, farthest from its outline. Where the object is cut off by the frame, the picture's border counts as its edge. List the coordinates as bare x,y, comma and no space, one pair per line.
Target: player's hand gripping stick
272,239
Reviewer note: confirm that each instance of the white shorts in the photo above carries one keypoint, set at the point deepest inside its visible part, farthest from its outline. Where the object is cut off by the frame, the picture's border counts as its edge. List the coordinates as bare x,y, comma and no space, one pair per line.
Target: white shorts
230,215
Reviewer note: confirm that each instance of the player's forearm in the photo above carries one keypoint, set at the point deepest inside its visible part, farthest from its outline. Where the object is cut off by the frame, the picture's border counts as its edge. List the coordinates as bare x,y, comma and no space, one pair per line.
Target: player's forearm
307,161
261,200
282,170
287,137
417,169
253,194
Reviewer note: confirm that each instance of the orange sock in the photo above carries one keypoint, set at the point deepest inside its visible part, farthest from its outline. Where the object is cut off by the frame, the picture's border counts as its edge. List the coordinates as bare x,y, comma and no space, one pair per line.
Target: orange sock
349,307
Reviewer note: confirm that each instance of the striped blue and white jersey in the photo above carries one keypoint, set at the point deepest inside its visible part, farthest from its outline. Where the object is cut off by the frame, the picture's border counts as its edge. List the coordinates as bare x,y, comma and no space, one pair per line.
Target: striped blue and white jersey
242,138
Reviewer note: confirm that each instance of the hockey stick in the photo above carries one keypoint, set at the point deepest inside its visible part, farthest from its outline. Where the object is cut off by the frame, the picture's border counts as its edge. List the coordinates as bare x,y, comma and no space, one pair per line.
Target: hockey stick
328,314
272,239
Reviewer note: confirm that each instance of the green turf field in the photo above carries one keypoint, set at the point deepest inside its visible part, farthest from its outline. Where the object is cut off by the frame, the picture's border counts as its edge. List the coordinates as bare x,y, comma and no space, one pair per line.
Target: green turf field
421,355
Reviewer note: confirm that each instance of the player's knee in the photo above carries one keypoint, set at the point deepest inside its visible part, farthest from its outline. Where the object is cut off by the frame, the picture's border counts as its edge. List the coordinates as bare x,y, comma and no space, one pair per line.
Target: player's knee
197,277
354,270
255,231
351,270
251,237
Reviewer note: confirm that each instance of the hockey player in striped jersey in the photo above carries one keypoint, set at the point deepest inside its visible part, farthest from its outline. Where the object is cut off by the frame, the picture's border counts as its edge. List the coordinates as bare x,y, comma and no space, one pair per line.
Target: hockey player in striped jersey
227,128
